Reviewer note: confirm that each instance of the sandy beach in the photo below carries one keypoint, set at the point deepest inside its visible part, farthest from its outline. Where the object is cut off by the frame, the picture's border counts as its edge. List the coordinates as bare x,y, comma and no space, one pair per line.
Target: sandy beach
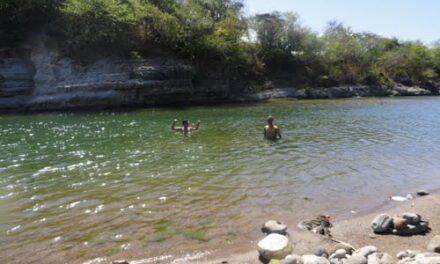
355,231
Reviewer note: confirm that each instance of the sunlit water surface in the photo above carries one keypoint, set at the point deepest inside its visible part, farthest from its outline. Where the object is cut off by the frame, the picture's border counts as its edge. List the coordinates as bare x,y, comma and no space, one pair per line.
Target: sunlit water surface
99,186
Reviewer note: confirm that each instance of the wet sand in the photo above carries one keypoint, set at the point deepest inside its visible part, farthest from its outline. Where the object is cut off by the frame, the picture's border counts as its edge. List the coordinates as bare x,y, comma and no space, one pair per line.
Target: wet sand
355,231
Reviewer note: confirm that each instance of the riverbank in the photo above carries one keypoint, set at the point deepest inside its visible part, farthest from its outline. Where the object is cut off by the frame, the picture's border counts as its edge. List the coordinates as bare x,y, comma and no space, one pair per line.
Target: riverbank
36,77
355,231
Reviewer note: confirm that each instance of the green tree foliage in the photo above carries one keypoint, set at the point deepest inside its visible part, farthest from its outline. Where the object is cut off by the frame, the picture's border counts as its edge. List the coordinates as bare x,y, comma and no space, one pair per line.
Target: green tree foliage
216,37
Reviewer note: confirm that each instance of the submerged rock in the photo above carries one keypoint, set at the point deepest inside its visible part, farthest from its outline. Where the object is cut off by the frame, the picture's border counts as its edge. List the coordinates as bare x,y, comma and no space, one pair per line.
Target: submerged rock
434,244
274,246
273,226
382,223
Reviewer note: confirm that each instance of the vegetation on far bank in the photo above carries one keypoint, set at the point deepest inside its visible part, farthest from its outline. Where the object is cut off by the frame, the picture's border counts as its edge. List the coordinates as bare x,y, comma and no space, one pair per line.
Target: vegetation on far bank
219,39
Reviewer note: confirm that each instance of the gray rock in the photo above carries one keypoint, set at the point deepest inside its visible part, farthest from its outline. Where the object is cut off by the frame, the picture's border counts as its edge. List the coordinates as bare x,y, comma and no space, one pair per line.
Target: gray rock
434,244
312,259
292,259
382,223
274,246
365,251
412,218
321,252
422,193
421,228
273,226
356,259
339,254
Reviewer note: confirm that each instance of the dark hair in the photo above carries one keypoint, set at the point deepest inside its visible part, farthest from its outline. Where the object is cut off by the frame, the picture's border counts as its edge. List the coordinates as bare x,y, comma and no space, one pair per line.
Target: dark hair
185,122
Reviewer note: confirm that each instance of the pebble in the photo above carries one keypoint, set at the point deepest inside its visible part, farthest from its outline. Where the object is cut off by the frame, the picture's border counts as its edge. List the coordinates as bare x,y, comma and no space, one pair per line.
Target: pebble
434,244
274,246
422,193
345,246
273,226
339,254
382,223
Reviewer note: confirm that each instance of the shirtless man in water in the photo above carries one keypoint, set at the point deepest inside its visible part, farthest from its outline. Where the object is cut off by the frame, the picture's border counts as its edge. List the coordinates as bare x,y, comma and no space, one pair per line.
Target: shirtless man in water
271,131
185,128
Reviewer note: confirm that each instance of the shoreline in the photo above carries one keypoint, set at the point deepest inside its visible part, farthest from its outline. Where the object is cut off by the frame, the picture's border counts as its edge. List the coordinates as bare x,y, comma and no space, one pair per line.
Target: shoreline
188,98
353,230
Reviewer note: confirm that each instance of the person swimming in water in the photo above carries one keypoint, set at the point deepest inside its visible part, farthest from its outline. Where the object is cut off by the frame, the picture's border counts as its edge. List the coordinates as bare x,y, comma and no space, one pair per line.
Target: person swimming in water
185,128
271,131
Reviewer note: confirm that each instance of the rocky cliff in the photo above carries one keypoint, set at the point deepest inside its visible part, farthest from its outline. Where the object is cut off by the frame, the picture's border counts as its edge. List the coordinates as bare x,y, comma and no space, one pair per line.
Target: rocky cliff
35,77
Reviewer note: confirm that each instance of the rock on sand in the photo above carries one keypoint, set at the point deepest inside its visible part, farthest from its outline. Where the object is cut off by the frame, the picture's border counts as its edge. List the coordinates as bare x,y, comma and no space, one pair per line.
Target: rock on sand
434,244
274,246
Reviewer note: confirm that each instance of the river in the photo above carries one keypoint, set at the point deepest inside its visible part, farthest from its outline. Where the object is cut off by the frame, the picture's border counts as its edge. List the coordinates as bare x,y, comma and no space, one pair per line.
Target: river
76,187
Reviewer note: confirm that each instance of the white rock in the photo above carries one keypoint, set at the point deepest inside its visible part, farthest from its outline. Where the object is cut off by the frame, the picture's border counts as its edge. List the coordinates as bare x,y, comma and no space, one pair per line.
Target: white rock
339,254
274,246
365,251
292,259
380,258
273,226
312,259
356,259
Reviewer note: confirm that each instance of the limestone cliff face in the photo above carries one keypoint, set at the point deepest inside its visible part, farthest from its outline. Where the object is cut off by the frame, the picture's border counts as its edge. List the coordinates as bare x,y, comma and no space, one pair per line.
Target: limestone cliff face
36,77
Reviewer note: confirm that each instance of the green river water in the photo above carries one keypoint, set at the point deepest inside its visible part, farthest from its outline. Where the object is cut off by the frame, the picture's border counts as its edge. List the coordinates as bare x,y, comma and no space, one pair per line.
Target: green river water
91,187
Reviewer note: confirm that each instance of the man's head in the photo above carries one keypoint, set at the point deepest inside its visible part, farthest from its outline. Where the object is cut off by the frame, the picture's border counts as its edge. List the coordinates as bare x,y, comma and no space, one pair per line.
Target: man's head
270,120
185,123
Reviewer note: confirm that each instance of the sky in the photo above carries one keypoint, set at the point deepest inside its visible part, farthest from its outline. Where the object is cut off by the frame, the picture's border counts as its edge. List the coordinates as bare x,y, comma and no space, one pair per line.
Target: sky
404,19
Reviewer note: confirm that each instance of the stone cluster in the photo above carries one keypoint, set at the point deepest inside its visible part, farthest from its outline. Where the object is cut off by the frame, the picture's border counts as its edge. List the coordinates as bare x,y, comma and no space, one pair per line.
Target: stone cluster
405,225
